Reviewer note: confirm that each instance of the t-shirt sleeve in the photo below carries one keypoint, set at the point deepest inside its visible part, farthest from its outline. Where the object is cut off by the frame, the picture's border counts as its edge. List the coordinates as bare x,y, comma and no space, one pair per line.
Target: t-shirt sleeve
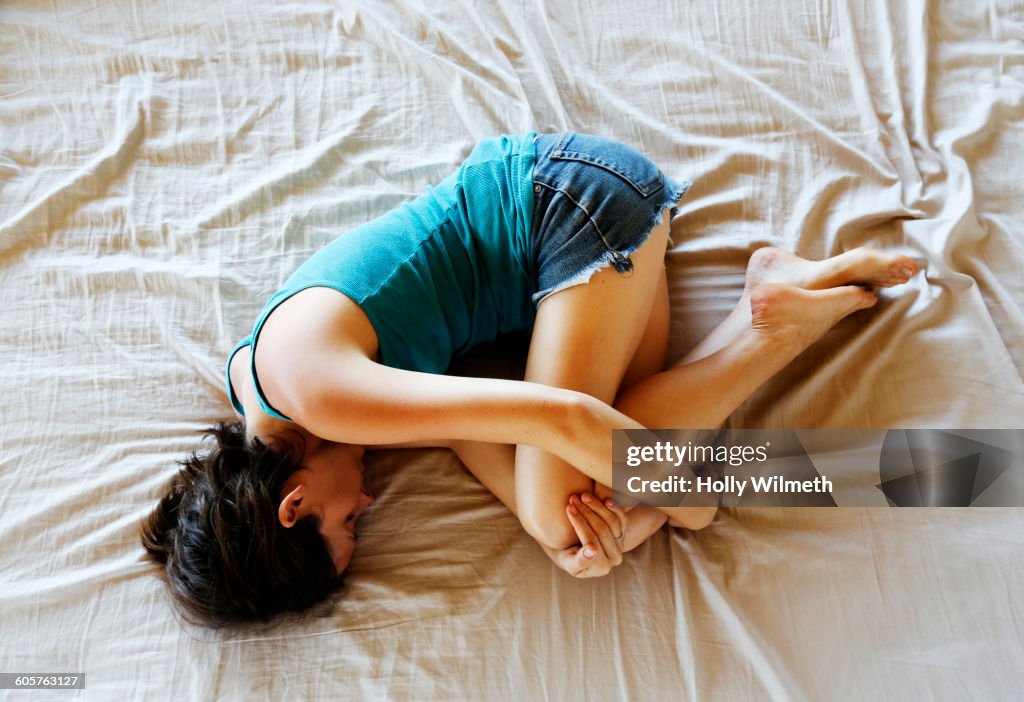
235,402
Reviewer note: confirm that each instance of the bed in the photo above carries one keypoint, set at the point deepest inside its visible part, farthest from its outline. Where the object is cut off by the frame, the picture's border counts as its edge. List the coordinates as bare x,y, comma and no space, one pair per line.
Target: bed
165,165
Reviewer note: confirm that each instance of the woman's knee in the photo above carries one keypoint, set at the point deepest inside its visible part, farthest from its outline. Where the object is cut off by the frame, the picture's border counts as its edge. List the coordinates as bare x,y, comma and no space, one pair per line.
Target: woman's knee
543,485
549,528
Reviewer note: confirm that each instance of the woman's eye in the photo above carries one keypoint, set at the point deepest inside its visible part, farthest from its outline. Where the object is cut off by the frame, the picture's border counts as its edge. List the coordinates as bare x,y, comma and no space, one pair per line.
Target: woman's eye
349,518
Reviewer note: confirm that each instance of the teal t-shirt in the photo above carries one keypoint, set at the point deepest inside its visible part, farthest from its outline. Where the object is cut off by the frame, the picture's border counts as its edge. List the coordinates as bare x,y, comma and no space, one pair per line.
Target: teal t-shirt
439,274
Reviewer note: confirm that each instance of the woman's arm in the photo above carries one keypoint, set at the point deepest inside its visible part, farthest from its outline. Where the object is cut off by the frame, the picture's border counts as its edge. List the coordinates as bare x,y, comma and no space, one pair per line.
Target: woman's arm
314,360
340,395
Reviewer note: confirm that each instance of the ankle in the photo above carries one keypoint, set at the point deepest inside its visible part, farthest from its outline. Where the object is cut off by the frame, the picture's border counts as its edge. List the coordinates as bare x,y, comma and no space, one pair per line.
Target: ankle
775,342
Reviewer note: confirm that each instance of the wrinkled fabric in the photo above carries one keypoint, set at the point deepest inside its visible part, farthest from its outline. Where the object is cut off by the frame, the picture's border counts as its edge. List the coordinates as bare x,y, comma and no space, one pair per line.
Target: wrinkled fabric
165,166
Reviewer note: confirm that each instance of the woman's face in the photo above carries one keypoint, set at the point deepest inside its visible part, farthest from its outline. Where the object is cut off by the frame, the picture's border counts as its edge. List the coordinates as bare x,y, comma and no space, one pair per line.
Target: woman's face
332,489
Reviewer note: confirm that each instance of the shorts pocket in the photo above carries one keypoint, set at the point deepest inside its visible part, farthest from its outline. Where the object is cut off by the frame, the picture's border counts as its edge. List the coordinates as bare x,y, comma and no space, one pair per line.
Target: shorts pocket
614,157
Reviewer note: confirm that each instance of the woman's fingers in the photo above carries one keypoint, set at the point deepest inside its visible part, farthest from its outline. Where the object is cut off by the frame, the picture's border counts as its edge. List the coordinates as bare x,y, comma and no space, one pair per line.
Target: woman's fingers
614,518
622,514
587,536
604,523
597,524
592,560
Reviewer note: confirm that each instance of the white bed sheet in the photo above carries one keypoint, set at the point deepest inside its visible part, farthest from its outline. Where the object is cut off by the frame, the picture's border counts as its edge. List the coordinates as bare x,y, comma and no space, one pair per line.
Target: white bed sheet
165,165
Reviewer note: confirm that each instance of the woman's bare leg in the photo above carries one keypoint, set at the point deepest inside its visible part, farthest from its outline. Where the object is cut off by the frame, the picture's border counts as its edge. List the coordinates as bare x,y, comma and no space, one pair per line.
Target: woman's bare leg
861,266
766,305
584,338
763,306
773,322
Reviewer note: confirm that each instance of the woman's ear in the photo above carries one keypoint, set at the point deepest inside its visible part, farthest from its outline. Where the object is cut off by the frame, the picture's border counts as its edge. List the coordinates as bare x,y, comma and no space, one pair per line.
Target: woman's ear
293,508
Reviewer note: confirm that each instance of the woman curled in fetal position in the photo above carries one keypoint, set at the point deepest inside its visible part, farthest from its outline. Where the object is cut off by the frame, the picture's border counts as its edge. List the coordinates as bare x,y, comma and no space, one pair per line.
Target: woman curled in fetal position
562,234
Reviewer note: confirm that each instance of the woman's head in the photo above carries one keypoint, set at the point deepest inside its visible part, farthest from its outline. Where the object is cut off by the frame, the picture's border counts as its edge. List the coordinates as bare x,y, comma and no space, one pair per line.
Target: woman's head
328,488
239,529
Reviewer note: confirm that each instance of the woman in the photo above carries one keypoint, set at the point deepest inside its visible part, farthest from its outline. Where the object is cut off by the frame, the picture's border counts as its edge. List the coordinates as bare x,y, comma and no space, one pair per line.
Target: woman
565,234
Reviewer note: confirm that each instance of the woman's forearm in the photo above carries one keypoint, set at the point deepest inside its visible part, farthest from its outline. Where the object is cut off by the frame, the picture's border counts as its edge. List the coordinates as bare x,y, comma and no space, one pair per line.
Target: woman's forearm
345,397
586,442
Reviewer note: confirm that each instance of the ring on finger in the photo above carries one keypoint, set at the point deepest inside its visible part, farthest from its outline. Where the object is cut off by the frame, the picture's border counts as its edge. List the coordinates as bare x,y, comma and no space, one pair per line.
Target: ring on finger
620,537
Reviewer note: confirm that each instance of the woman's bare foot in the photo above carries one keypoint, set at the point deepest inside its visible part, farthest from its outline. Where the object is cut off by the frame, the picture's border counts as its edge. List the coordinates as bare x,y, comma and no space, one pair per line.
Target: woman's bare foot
861,266
790,314
777,270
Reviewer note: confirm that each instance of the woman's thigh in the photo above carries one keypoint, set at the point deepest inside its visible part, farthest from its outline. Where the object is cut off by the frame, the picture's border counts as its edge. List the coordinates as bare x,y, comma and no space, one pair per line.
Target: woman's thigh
585,338
652,352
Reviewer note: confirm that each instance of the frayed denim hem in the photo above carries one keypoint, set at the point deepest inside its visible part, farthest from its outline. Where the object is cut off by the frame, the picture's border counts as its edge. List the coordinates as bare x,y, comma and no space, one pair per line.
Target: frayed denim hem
673,192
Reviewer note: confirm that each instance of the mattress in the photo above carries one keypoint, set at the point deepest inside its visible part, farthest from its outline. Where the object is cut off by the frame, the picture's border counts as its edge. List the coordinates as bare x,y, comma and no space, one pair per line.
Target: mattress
164,166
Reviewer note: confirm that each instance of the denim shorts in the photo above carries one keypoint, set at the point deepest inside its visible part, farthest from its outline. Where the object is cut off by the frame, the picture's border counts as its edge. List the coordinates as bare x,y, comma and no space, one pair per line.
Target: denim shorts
595,202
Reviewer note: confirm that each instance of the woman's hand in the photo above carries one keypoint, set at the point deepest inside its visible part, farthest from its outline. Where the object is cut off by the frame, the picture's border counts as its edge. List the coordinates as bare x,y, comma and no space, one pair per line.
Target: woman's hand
601,528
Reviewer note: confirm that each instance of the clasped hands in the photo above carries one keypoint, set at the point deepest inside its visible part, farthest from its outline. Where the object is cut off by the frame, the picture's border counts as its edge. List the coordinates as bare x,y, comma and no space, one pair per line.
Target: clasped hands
601,528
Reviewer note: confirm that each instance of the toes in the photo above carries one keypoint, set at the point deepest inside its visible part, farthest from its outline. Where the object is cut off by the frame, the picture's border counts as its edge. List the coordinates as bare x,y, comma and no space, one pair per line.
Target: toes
862,299
907,267
871,267
898,272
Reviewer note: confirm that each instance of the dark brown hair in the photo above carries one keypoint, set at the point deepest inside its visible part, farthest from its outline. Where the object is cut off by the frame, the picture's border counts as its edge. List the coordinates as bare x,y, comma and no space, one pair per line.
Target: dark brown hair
226,557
